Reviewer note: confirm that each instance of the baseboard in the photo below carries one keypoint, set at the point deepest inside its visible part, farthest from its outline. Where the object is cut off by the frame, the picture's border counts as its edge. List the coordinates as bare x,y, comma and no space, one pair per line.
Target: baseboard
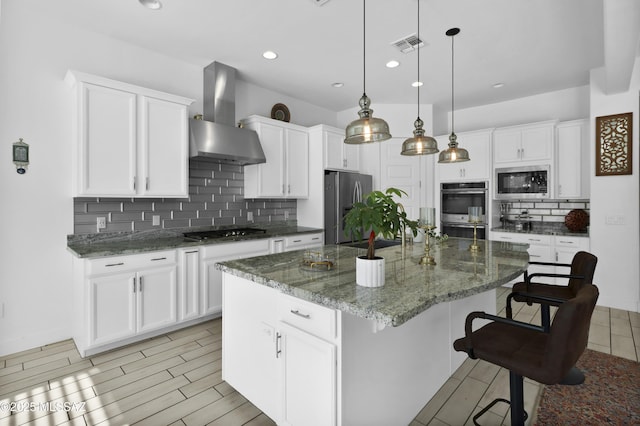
32,341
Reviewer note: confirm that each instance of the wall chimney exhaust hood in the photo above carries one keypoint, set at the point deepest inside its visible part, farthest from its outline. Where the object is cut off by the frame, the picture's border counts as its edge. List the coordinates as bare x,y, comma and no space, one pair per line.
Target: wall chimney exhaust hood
216,137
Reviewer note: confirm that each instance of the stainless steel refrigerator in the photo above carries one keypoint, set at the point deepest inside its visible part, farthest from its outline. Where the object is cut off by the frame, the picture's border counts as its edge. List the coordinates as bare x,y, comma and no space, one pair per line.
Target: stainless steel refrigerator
341,190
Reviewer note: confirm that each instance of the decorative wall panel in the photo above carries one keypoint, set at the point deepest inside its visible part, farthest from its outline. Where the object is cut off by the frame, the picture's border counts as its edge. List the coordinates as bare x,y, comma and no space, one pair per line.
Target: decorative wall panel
613,144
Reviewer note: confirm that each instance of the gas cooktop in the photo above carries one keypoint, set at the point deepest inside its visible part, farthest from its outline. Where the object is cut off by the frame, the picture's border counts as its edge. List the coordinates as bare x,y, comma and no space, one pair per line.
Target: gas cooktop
222,233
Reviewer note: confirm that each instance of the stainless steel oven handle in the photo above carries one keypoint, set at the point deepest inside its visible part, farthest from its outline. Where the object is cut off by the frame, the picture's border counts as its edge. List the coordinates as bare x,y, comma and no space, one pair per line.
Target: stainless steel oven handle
463,225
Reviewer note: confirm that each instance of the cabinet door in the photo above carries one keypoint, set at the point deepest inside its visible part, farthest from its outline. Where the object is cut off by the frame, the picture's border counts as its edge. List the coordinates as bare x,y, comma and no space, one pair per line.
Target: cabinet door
188,285
308,378
271,174
157,304
107,133
506,145
112,308
297,160
478,145
572,181
334,151
164,148
537,143
249,356
351,155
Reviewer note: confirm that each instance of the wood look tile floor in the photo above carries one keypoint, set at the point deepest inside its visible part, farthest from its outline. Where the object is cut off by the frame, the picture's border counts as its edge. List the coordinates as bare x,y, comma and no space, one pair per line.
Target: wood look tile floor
175,379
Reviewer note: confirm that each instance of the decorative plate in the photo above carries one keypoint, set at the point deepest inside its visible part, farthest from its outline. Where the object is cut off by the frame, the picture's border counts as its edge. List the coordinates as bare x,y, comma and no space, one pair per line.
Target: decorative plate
280,112
576,220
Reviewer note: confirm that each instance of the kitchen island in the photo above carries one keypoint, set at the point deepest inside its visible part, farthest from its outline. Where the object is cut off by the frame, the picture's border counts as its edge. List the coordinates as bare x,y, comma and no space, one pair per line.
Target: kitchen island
312,347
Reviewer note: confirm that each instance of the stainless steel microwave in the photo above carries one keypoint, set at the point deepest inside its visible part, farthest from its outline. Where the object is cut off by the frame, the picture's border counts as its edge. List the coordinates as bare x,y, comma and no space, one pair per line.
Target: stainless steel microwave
517,183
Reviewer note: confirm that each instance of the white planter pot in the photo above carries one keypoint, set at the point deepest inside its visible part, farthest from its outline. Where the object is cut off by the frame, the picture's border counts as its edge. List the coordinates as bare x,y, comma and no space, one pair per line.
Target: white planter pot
370,272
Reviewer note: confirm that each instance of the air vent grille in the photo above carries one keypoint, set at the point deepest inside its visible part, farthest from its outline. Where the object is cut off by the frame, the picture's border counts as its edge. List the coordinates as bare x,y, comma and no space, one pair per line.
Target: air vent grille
409,43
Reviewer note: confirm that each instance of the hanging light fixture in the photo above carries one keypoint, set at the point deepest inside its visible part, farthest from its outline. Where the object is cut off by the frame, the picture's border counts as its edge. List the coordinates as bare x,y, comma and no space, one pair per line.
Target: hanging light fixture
366,128
419,144
453,154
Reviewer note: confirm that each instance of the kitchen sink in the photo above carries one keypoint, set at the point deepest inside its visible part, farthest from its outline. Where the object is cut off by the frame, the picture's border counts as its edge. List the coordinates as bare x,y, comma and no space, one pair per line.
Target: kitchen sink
378,244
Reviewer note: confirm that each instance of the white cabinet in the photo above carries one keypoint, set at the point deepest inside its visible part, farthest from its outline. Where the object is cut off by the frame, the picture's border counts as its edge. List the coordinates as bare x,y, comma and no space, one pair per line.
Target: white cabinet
286,172
337,154
572,155
120,297
279,352
211,278
478,143
189,284
531,143
309,394
129,141
566,248
540,250
296,242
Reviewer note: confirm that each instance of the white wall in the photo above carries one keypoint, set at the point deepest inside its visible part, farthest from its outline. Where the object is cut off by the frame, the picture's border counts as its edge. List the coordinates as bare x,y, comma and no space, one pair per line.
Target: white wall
617,246
37,211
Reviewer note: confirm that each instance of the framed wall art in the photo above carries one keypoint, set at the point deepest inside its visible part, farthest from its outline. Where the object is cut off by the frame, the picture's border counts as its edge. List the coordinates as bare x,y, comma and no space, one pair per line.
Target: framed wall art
613,144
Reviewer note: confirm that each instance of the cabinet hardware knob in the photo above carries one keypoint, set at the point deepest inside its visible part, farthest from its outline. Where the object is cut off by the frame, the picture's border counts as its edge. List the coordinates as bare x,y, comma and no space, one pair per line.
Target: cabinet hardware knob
298,313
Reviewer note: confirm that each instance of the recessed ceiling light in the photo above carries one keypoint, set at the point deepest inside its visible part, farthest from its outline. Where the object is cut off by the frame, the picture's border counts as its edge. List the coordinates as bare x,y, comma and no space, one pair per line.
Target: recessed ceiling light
151,4
269,55
337,84
416,84
392,64
498,85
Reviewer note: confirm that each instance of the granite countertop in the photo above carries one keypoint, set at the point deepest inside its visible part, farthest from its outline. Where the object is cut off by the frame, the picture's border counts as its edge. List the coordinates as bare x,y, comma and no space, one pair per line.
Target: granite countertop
103,245
551,229
409,289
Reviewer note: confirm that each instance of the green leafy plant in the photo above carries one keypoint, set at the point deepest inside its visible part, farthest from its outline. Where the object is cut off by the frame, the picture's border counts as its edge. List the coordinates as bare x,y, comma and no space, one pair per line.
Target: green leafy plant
379,213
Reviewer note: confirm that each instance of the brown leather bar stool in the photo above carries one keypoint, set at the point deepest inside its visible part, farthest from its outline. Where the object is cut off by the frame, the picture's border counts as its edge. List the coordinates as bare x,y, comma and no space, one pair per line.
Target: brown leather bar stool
582,269
528,350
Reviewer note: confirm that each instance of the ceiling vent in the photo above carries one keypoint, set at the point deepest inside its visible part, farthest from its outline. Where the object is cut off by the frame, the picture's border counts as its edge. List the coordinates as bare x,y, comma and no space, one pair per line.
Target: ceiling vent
319,2
409,43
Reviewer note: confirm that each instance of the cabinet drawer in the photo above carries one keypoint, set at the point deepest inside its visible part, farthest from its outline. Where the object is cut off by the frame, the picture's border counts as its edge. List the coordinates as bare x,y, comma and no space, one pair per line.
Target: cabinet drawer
134,261
238,249
572,242
307,316
303,240
536,239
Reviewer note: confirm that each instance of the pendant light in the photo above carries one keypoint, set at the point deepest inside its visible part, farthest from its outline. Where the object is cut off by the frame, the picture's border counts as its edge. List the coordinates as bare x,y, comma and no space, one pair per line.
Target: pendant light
453,154
366,128
419,144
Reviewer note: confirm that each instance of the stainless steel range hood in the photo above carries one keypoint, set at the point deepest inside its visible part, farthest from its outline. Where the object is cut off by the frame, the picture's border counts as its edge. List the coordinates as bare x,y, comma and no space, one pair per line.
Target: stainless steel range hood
216,137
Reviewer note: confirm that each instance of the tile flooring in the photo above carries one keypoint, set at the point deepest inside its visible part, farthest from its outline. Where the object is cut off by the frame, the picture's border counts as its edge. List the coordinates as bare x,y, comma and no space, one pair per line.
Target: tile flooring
176,379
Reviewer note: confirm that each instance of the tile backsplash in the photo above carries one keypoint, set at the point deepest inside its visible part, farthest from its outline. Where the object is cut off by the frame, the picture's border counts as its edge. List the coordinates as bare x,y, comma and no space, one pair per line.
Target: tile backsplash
550,211
215,198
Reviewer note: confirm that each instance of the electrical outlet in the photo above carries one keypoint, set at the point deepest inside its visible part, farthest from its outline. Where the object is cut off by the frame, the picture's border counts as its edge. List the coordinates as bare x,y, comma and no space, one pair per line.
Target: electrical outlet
155,220
250,216
102,222
614,220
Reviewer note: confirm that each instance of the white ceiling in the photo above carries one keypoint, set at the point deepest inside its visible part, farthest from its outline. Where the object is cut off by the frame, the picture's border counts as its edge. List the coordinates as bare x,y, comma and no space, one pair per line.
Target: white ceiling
532,46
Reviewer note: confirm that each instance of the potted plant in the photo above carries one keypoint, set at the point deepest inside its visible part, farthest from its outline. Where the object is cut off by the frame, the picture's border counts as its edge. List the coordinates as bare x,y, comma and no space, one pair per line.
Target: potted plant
382,216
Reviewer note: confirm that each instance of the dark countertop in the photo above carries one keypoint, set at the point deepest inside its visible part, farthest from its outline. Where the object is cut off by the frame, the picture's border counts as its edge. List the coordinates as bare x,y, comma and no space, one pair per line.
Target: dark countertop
103,245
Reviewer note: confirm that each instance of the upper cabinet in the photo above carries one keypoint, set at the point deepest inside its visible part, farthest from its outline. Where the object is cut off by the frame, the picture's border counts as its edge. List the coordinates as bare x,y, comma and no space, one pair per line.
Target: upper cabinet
516,145
337,154
572,159
478,143
286,172
131,141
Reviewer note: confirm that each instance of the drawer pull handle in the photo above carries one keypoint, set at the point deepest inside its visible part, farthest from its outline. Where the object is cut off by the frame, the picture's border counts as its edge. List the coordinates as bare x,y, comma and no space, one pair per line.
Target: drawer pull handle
297,241
115,264
316,238
567,242
158,258
297,312
534,255
193,251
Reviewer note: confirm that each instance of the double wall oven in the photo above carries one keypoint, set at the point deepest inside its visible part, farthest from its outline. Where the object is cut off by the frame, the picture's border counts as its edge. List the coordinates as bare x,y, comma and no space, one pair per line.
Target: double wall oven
455,200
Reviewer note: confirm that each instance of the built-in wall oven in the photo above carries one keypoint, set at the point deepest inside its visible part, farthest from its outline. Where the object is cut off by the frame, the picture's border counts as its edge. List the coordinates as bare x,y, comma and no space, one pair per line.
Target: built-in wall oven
455,200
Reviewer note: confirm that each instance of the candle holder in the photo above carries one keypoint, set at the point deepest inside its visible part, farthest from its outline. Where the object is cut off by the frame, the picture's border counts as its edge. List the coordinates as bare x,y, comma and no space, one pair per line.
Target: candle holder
475,216
427,222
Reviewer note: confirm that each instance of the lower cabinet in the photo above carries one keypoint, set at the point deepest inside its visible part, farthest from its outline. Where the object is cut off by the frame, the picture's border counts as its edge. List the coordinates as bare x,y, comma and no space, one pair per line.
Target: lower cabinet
189,284
211,278
274,356
124,297
547,248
